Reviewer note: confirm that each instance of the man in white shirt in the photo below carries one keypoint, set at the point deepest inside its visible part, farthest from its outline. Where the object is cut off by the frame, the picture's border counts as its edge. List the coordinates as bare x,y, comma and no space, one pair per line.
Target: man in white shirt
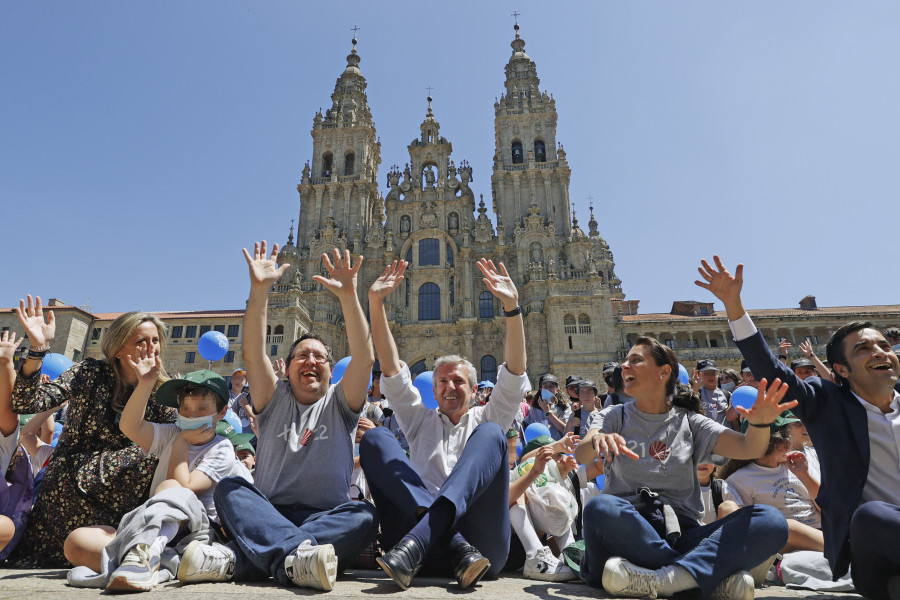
447,504
855,426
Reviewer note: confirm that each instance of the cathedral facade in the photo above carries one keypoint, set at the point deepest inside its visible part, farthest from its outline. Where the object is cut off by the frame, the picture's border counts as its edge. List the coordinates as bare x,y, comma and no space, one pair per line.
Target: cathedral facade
430,216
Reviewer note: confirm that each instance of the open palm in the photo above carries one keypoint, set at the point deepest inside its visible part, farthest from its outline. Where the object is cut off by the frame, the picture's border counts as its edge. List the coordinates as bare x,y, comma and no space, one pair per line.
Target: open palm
31,315
341,278
390,279
264,270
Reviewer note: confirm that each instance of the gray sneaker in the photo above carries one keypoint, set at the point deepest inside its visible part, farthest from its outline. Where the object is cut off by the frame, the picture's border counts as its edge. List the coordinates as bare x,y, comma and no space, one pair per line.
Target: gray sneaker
736,587
312,566
139,571
205,562
622,578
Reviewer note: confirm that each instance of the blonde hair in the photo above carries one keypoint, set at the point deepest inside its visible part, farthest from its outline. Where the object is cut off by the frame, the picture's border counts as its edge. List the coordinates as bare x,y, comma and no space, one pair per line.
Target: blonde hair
114,340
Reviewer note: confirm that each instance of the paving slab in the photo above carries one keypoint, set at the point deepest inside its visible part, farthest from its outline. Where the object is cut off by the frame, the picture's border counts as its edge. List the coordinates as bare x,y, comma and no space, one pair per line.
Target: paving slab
41,584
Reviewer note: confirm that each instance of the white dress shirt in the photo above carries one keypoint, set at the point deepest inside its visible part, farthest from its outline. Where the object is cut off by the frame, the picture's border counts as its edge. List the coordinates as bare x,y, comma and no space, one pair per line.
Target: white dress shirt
435,444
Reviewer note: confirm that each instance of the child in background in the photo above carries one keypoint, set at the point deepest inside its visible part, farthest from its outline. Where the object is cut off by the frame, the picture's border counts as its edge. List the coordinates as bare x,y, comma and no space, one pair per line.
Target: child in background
191,456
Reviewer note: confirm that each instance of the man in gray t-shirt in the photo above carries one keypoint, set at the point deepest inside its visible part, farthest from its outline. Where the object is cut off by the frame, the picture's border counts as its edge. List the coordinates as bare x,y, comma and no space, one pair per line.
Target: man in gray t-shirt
297,522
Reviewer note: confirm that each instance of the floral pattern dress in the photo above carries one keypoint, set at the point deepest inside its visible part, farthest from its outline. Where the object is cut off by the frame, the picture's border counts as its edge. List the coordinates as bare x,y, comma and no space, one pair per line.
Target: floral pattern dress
96,474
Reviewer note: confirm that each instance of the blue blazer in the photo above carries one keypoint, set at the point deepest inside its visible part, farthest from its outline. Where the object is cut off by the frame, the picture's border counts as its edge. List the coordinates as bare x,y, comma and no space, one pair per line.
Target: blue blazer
839,429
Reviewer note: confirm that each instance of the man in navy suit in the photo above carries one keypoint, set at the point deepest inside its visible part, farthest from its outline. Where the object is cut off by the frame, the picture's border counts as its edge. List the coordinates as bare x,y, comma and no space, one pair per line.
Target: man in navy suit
855,426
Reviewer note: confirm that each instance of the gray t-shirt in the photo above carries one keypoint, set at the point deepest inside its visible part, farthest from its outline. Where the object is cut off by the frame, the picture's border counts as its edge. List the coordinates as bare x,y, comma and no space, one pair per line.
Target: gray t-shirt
305,453
670,445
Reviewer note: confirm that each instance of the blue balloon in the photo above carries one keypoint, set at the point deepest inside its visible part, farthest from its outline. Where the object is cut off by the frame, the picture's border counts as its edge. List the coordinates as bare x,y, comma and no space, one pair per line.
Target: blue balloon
424,382
337,371
683,376
54,365
744,396
601,480
536,430
212,345
340,367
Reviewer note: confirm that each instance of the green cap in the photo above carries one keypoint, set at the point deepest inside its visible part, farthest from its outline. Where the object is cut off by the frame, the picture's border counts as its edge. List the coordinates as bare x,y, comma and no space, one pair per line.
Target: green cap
245,446
23,419
780,421
511,433
536,443
167,392
225,429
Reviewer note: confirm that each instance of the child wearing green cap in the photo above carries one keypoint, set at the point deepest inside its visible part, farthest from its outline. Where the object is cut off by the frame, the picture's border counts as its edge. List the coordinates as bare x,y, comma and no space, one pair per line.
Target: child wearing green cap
195,452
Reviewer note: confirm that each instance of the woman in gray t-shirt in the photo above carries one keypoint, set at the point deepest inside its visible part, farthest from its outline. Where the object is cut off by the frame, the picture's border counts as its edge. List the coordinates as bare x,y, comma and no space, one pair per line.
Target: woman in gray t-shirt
643,534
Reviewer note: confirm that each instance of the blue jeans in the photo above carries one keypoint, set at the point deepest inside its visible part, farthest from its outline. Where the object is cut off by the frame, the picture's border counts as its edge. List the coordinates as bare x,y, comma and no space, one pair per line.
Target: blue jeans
478,487
264,534
710,553
875,548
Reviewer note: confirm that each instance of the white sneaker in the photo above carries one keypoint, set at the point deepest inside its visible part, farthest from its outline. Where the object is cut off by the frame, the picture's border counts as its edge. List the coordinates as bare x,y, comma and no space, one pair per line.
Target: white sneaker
621,578
546,567
736,587
205,562
139,571
312,566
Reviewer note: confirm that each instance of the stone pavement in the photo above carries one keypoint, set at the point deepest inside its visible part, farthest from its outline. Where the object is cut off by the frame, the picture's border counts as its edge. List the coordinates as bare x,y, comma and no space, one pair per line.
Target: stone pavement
44,584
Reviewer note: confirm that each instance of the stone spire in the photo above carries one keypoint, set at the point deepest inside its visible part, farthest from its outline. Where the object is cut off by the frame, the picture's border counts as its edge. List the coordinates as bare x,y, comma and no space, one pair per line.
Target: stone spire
349,105
522,81
592,224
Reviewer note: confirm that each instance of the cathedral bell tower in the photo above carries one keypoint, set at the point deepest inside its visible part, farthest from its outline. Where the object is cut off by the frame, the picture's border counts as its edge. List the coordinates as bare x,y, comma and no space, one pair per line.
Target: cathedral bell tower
339,200
530,173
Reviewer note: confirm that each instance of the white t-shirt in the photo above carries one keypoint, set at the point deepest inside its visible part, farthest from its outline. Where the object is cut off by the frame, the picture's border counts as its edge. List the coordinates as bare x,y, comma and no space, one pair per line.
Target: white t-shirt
8,445
40,458
775,486
215,459
709,507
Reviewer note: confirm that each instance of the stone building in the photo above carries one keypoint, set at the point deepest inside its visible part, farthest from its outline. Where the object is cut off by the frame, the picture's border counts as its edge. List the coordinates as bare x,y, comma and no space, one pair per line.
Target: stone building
431,217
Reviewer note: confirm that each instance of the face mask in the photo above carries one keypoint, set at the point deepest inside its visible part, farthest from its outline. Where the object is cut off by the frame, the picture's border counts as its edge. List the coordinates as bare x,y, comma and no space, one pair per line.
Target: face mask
193,422
548,396
728,386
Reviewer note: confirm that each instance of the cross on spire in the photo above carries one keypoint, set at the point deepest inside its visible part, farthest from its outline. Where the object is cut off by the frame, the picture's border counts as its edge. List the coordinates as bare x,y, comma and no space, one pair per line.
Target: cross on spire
516,15
590,201
429,88
354,29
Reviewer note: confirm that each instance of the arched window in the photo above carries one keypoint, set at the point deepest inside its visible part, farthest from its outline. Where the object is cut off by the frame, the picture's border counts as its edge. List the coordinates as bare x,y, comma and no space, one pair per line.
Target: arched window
279,330
517,155
418,369
584,323
452,294
409,256
349,163
489,368
429,252
540,154
407,293
449,255
429,302
327,161
485,305
268,330
569,324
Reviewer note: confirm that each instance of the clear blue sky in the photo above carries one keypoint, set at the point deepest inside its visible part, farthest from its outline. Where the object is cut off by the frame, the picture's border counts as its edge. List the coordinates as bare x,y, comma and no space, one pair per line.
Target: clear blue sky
144,143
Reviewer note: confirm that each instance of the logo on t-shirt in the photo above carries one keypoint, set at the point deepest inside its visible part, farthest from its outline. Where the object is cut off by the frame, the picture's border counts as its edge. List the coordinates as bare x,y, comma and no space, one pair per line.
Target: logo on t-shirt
659,450
307,435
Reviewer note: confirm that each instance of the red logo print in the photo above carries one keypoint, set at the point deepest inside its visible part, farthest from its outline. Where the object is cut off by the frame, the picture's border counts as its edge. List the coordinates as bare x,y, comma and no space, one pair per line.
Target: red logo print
659,450
306,436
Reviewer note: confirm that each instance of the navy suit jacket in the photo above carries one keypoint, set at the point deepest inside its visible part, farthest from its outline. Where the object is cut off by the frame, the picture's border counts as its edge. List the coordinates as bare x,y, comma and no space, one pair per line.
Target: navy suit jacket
839,429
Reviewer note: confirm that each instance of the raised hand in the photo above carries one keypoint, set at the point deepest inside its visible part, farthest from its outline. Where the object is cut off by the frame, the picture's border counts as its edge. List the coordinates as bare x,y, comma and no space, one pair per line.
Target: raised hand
146,367
389,281
806,348
341,279
278,367
8,345
567,443
696,381
543,456
768,405
40,333
796,462
723,285
264,271
783,347
499,283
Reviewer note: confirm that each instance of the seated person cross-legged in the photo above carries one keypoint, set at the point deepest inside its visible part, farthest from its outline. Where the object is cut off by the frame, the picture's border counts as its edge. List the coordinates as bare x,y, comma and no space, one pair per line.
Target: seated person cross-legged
444,509
855,426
